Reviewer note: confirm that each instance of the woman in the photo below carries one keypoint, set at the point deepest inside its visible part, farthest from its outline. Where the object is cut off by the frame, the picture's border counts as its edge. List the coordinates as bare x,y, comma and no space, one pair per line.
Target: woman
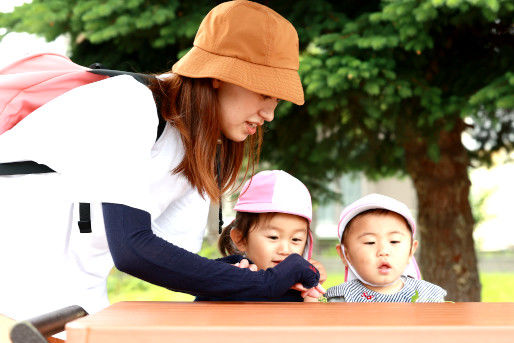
149,198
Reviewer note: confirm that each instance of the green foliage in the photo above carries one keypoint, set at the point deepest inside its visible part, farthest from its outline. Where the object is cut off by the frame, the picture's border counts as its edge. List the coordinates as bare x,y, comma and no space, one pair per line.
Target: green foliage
376,74
143,35
415,297
379,76
389,71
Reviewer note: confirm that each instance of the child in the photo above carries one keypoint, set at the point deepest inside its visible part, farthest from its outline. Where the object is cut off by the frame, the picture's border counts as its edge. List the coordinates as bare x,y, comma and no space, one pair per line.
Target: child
274,212
377,247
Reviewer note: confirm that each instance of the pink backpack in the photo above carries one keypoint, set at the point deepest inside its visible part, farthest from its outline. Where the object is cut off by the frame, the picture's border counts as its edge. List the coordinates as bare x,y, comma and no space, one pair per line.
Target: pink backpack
31,82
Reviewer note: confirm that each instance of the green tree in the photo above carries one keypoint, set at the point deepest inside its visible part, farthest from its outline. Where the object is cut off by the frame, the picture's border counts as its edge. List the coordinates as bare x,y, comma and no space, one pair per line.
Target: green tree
134,35
390,87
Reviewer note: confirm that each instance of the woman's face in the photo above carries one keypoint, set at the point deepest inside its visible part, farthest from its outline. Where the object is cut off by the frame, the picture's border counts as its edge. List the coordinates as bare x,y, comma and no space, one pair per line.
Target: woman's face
242,110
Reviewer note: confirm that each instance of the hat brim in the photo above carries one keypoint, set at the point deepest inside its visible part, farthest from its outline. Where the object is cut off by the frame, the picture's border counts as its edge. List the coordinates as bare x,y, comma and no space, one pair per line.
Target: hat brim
267,208
371,206
280,83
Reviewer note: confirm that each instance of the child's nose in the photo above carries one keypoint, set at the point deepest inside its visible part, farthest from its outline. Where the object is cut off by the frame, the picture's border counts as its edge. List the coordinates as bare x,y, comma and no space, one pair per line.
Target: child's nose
383,250
284,248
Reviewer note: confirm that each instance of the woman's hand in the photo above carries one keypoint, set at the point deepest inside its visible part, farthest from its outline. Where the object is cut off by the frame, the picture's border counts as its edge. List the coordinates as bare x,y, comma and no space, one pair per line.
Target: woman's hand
312,295
244,263
321,269
309,294
314,292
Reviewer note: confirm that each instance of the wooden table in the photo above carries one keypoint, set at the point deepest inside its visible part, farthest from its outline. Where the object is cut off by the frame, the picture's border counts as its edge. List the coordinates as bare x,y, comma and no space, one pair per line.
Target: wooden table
129,322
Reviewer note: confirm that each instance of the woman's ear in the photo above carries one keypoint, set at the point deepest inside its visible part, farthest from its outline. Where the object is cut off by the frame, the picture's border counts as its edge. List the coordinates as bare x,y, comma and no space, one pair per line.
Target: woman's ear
216,83
237,237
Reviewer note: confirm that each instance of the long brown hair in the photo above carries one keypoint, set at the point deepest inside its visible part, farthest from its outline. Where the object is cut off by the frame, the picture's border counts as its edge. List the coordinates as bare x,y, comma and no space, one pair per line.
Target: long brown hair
191,106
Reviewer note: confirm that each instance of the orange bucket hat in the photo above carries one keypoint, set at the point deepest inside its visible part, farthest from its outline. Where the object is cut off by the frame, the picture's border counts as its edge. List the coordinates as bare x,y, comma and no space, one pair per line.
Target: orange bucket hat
249,45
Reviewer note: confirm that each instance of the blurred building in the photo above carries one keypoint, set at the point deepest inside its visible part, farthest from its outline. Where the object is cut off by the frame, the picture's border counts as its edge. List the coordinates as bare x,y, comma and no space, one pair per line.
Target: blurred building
353,187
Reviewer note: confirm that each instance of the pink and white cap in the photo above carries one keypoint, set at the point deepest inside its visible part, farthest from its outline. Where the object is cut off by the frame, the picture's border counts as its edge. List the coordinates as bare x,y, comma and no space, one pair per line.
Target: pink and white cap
370,202
277,191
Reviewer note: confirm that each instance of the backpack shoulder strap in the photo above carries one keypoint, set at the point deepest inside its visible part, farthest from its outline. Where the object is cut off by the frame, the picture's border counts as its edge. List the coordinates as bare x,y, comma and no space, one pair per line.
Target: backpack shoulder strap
145,79
31,167
48,63
24,167
142,78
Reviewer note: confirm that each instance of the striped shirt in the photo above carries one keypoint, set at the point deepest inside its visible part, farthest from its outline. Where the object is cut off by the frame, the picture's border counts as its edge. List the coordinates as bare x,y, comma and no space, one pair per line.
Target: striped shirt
413,291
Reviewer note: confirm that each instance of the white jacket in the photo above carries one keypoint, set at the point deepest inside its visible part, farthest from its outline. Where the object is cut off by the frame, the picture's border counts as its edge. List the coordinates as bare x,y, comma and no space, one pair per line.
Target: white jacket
100,138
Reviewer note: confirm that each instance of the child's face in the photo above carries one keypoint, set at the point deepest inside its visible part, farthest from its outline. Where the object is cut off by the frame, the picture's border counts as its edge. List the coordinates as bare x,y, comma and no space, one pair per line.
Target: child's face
271,241
379,248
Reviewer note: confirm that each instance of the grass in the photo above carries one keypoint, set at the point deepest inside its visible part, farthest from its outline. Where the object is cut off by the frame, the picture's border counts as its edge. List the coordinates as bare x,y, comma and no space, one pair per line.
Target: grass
496,287
123,287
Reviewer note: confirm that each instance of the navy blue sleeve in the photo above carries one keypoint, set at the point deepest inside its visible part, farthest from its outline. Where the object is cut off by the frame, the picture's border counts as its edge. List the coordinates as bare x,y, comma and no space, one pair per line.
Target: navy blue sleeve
290,296
232,259
136,250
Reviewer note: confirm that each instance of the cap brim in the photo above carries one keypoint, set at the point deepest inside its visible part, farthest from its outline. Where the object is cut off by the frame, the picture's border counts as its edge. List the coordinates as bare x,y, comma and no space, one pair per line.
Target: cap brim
371,206
267,208
280,83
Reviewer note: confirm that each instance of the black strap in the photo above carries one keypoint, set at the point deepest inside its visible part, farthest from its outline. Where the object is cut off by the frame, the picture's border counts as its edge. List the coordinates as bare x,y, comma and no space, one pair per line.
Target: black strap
218,172
24,167
162,121
143,78
85,217
31,167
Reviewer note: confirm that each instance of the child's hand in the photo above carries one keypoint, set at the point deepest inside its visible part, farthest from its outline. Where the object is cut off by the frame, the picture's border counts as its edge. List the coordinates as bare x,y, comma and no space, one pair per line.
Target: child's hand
309,299
321,269
245,264
314,292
